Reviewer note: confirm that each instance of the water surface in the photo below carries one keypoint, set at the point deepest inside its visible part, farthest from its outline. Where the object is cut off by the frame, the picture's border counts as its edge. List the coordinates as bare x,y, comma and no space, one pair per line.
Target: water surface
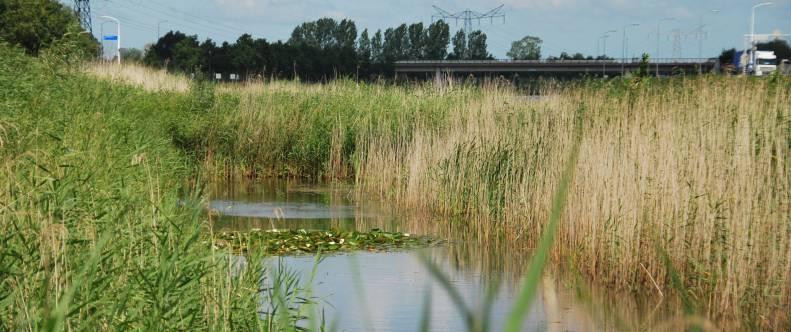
386,291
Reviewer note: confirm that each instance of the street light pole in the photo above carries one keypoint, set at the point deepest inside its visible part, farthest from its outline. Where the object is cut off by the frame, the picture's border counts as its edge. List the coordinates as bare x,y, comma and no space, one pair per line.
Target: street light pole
604,49
752,32
158,24
658,37
659,33
118,24
700,31
625,47
604,41
598,45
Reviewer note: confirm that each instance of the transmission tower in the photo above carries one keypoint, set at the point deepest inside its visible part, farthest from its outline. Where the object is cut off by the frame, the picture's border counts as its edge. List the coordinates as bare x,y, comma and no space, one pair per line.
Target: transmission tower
700,34
468,16
83,10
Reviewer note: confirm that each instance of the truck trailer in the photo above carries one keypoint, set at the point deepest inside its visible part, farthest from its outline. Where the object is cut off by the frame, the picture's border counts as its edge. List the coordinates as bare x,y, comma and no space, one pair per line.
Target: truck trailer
761,63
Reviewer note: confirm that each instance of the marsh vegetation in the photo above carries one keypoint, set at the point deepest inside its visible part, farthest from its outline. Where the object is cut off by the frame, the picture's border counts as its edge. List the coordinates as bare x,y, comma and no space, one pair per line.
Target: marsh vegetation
675,189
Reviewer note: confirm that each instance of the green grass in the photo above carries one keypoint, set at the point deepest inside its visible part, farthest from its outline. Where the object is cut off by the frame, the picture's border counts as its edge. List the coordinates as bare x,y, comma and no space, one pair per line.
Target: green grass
94,233
101,216
101,226
696,166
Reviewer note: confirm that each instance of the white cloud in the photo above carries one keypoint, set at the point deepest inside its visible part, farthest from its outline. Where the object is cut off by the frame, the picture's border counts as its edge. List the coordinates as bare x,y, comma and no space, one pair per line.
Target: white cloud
522,4
238,4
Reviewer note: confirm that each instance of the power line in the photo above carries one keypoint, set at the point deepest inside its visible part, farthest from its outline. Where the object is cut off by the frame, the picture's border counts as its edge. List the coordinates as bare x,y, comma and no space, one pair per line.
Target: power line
208,20
160,11
468,16
150,12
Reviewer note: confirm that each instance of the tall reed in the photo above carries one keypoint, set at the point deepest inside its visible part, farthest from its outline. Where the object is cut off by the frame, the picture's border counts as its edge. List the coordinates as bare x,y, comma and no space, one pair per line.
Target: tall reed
695,166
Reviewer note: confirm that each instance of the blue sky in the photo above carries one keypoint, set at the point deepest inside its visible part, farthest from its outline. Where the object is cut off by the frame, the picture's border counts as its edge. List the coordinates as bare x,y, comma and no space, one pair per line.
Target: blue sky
564,25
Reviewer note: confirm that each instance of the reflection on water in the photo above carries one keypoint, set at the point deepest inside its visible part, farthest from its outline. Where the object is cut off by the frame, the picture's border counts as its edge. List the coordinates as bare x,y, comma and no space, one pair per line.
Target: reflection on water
282,205
282,210
391,289
386,291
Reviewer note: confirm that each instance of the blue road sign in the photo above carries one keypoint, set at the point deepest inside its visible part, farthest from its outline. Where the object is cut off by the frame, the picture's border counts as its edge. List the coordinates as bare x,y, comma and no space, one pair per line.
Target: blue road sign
110,37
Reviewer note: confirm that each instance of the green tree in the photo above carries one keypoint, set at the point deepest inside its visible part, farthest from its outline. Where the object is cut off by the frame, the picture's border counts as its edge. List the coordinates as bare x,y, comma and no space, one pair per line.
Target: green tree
476,46
779,46
326,32
186,55
727,56
35,25
262,57
322,33
417,41
161,53
345,34
459,46
527,48
436,41
209,53
132,54
394,47
377,47
243,55
364,47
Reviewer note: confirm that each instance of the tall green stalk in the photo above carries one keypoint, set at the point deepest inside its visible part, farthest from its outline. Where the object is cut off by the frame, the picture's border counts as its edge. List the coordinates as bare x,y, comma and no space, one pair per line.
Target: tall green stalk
532,277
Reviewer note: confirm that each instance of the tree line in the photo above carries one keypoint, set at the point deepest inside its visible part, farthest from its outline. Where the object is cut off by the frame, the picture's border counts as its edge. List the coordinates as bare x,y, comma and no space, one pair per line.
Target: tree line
36,25
317,50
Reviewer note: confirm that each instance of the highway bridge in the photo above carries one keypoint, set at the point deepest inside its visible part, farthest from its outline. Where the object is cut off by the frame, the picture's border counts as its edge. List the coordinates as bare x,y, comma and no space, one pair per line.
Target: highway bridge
615,67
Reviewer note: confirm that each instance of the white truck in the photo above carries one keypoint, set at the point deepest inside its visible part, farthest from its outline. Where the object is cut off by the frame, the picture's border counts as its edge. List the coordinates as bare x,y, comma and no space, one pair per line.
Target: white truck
761,63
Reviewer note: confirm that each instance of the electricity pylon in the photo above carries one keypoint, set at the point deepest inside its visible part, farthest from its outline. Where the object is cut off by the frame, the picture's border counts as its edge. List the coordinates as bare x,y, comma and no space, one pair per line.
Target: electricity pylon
83,10
468,16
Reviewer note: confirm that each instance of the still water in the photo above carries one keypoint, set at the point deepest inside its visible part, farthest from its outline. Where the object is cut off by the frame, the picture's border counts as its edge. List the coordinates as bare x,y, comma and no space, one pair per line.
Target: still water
387,291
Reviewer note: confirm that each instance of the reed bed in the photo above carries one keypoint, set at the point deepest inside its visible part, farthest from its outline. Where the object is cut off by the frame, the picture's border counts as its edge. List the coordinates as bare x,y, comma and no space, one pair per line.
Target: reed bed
148,78
681,190
692,168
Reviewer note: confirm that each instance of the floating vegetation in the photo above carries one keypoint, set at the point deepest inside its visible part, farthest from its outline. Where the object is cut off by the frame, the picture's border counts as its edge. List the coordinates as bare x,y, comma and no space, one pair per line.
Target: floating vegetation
285,242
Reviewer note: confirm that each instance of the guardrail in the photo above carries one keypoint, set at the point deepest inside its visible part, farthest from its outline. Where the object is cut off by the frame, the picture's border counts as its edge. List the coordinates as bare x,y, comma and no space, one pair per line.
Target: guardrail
558,61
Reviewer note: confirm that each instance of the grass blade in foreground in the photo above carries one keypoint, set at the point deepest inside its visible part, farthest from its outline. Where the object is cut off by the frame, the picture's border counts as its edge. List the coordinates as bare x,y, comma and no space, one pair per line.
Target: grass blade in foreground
536,267
455,296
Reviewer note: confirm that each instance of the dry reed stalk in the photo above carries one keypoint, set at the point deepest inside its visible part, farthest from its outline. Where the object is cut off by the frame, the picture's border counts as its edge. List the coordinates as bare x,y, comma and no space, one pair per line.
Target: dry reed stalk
146,77
698,168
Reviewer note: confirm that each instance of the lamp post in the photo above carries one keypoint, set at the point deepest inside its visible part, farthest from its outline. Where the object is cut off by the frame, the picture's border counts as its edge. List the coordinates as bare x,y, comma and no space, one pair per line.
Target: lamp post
118,37
603,38
625,47
700,31
659,33
752,32
658,38
158,25
604,41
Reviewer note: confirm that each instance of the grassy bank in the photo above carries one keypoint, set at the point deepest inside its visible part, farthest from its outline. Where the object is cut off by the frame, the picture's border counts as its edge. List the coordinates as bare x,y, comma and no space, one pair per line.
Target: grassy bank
683,179
681,189
93,232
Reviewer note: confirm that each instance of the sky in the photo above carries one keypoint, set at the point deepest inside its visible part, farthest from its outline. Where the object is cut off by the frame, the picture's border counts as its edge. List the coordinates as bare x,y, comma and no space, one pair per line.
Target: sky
564,25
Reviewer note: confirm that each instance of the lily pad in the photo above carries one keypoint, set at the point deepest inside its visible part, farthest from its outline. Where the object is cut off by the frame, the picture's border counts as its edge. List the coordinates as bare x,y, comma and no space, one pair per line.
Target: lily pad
289,242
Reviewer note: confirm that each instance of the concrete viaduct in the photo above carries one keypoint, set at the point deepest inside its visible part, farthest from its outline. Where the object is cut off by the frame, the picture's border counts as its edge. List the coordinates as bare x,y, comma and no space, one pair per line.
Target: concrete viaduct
659,67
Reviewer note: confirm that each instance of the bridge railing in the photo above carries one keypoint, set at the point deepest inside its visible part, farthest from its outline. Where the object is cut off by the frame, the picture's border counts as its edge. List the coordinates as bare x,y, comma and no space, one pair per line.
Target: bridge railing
558,61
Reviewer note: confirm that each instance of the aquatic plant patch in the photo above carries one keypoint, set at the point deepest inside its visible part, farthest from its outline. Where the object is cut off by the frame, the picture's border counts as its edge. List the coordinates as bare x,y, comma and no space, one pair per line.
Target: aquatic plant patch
286,242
